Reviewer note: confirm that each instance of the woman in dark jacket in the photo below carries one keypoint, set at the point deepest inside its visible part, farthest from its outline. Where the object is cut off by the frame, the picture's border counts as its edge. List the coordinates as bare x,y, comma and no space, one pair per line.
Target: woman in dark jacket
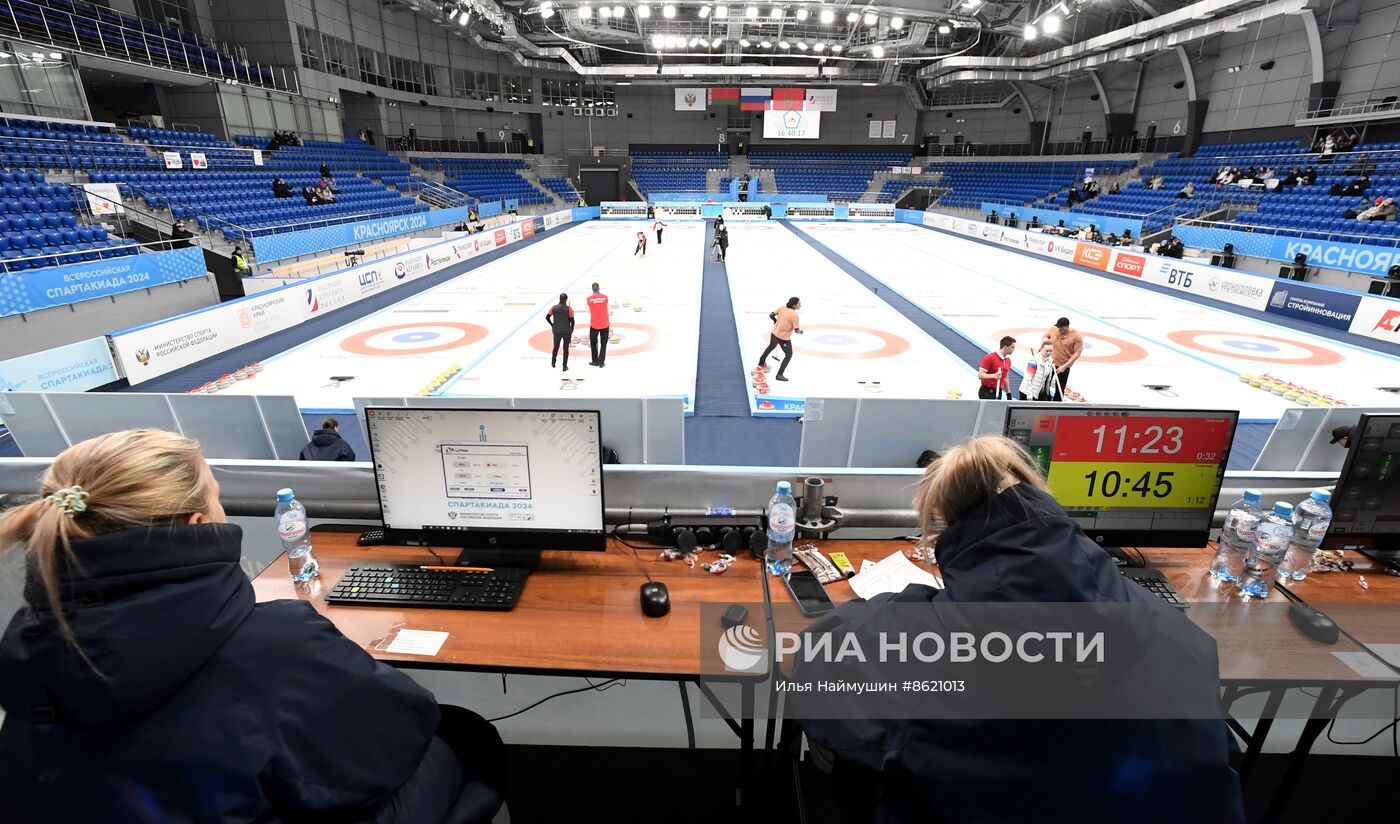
1007,541
327,445
560,318
141,682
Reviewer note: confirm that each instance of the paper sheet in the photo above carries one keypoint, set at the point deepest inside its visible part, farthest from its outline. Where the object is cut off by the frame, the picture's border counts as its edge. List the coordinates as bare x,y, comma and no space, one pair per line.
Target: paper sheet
892,574
1365,665
1389,653
417,642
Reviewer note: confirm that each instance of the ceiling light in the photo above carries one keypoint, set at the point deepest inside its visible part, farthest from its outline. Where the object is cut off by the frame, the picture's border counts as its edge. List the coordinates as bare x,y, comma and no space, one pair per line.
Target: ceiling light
878,50
55,56
818,47
1030,32
721,12
619,12
716,42
704,12
751,12
836,49
744,41
853,17
464,19
776,13
828,15
767,44
1050,24
896,22
644,11
945,29
971,4
802,46
871,19
658,41
801,14
783,44
585,12
546,12
869,83
605,12
694,41
668,12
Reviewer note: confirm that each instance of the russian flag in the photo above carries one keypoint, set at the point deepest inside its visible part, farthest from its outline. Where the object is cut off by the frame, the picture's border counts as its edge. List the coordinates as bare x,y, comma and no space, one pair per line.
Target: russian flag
788,100
754,100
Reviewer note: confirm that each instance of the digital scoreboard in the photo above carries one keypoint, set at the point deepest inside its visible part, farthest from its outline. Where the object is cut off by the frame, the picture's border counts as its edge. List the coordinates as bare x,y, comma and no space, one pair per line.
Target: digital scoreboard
1137,477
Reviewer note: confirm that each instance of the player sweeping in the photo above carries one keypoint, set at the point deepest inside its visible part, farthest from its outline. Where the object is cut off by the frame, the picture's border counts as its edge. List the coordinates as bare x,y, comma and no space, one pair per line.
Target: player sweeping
784,325
641,245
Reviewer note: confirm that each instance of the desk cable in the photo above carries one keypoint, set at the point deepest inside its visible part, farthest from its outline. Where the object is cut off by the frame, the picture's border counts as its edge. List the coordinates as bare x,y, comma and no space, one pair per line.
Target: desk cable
606,685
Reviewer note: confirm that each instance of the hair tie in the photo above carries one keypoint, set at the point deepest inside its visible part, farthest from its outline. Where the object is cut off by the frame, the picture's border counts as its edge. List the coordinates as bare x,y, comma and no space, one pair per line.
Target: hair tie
72,500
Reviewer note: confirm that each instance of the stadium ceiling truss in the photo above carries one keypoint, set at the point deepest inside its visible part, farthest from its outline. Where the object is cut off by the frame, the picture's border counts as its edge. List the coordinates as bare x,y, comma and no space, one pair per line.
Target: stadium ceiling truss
978,52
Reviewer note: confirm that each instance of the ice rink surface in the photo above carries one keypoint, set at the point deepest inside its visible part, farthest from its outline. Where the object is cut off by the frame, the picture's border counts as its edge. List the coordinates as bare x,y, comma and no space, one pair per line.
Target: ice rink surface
854,344
485,331
1135,338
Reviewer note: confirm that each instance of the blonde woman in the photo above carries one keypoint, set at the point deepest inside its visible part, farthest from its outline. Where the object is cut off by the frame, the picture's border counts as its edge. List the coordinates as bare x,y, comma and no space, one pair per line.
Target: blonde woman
141,682
1002,539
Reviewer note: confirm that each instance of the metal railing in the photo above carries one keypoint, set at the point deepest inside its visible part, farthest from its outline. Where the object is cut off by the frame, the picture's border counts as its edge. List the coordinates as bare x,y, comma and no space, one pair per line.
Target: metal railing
1353,108
90,34
64,258
1315,234
1118,145
452,145
439,195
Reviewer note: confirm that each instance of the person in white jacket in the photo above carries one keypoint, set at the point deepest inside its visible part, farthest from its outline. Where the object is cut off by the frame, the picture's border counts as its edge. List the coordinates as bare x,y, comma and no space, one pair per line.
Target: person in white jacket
1038,383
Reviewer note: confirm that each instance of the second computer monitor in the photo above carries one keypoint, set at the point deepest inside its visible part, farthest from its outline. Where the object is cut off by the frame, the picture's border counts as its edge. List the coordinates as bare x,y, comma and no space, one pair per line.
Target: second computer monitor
489,478
1130,476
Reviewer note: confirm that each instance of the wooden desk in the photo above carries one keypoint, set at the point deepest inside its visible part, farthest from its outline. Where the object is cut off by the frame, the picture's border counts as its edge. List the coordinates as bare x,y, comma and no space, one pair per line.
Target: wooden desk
579,614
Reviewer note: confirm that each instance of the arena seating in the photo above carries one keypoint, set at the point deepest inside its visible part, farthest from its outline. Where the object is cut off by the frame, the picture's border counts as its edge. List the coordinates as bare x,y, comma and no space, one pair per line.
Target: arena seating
220,154
675,170
37,144
841,176
488,178
90,28
562,187
38,227
972,183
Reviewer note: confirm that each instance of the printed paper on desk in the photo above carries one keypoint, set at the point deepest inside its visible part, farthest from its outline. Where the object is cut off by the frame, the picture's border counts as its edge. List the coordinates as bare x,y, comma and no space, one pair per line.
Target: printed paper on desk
1365,664
417,642
1389,653
892,574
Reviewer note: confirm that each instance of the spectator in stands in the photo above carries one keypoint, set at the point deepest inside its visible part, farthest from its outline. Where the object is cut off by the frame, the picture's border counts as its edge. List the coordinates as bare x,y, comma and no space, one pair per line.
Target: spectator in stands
240,263
1362,165
1316,147
1187,192
1309,175
1113,188
369,135
327,445
560,318
1222,176
1074,196
325,191
1157,181
180,237
1091,188
1290,180
1266,174
1173,248
328,183
141,641
312,195
1384,210
995,371
1069,346
1001,537
280,188
1127,238
1358,186
1329,145
325,170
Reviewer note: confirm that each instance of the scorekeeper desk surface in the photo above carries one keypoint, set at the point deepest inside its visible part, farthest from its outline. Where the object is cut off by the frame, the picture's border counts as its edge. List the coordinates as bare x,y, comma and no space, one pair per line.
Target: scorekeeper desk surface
580,612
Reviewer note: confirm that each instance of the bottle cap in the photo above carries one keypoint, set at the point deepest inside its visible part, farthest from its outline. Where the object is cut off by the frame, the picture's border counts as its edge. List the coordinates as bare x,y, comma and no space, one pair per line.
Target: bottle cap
1253,495
784,488
285,494
1283,508
1322,496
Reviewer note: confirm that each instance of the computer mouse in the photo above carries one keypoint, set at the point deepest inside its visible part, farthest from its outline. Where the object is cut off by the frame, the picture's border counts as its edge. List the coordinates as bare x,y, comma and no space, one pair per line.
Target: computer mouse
656,601
1314,624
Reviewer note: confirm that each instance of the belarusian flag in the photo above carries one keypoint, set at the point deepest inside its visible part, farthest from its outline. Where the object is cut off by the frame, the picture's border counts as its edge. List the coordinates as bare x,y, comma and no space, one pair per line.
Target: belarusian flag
726,96
787,100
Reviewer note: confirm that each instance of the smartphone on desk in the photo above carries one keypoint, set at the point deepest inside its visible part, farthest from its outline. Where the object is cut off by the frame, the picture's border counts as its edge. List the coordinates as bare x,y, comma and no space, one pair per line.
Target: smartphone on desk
809,593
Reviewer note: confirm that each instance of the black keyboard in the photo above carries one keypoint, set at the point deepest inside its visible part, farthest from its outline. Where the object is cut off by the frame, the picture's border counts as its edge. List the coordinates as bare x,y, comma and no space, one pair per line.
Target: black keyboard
405,585
1156,583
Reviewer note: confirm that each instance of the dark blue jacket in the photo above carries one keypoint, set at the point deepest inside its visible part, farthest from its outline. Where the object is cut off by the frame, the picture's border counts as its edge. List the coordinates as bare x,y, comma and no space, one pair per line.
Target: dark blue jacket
1020,546
209,707
327,445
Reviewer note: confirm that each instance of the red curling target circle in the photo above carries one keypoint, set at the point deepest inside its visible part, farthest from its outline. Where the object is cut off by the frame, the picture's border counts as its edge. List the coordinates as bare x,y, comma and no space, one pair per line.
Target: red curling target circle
544,341
1098,348
827,340
413,338
1257,348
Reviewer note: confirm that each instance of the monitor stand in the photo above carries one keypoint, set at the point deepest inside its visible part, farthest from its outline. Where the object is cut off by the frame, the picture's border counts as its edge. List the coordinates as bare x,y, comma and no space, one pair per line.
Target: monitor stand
1389,558
527,559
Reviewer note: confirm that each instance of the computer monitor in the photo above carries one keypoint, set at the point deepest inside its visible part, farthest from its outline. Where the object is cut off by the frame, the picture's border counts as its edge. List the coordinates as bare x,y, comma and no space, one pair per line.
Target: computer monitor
1130,476
1366,502
504,481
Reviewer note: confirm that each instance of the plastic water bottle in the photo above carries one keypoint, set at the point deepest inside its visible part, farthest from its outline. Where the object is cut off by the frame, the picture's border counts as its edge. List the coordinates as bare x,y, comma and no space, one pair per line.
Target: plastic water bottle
1270,544
782,528
1311,518
296,537
1237,538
